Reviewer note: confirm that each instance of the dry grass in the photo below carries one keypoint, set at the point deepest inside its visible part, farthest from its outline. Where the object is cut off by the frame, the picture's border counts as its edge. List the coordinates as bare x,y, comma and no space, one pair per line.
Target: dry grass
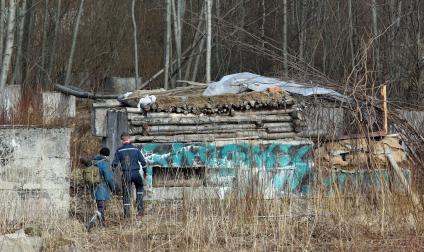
384,222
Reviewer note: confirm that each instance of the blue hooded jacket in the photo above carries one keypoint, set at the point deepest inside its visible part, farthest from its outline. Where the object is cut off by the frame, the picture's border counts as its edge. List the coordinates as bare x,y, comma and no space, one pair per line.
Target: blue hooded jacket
102,190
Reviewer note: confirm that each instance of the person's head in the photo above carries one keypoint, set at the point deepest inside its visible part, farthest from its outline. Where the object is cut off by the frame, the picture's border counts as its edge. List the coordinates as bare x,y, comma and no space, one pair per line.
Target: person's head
125,138
104,152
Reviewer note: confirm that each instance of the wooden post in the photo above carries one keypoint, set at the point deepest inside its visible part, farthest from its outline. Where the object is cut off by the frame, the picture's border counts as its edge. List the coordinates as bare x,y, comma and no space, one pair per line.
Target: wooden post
117,123
384,94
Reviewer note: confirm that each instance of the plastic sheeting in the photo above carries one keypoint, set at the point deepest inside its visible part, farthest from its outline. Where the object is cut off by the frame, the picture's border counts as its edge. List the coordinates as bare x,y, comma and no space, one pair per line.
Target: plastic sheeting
240,82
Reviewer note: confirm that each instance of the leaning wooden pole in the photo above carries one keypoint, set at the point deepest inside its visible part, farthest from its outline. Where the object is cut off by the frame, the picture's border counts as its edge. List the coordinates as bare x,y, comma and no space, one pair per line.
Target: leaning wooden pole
384,95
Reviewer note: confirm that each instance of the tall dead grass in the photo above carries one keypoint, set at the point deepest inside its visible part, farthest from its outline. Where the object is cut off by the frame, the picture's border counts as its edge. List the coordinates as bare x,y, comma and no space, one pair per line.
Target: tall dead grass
322,221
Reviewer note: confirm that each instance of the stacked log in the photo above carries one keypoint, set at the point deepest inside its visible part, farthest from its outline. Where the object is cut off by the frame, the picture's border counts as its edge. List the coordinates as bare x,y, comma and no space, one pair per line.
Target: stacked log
191,117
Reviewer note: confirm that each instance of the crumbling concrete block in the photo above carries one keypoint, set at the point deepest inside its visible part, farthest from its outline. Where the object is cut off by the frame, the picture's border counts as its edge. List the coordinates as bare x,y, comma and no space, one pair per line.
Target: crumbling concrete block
10,99
58,106
19,241
35,172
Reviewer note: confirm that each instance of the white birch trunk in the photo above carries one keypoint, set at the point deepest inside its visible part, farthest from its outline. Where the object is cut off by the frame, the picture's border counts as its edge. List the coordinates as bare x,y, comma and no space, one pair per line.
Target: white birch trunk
178,13
17,73
135,43
3,8
74,44
167,43
56,31
11,22
209,39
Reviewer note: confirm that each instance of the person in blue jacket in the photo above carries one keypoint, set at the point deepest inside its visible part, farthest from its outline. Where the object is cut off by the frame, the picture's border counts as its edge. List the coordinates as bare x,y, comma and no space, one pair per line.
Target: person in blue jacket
101,192
131,161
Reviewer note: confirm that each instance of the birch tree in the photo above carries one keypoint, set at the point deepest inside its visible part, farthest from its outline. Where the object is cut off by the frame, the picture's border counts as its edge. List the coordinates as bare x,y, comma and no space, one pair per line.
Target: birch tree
17,73
11,23
209,39
178,10
167,43
2,18
74,44
135,43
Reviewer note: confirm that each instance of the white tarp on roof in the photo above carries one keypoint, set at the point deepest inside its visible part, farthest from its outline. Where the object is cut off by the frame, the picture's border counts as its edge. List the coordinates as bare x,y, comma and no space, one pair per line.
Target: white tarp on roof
240,82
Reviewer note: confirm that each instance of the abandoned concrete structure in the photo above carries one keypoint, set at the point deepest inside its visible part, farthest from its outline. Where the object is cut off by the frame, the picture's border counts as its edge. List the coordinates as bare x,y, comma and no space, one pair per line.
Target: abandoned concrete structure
34,173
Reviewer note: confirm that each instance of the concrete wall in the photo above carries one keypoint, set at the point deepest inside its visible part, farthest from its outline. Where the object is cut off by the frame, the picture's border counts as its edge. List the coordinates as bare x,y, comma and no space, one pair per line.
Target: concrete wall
10,98
34,173
57,106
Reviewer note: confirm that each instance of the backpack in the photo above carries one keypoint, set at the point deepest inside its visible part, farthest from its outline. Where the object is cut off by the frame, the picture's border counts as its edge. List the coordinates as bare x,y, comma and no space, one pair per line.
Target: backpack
91,174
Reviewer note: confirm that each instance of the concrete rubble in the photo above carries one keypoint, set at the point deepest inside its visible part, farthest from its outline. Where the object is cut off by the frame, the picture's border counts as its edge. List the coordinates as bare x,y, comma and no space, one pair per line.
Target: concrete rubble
19,241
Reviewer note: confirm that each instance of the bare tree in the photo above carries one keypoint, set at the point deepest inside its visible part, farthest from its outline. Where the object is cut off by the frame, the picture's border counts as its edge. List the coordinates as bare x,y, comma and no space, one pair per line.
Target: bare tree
2,17
74,44
351,33
54,39
377,44
197,36
42,69
178,10
11,23
167,43
17,73
286,68
209,39
135,43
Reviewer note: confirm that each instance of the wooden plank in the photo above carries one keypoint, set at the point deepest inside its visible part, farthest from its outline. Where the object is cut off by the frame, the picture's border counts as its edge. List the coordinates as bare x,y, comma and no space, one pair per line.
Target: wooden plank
214,137
384,94
180,129
138,121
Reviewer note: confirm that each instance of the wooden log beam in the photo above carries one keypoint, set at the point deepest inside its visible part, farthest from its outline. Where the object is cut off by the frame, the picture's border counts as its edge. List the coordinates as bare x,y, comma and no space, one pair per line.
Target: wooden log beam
280,129
138,121
178,129
213,137
69,90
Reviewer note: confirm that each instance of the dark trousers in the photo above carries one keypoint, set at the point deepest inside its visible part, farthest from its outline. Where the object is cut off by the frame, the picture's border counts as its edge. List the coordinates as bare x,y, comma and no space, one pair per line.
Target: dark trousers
130,177
101,208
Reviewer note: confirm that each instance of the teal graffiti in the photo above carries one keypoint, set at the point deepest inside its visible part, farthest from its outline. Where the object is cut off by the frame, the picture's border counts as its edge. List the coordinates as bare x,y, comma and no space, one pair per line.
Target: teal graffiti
227,158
